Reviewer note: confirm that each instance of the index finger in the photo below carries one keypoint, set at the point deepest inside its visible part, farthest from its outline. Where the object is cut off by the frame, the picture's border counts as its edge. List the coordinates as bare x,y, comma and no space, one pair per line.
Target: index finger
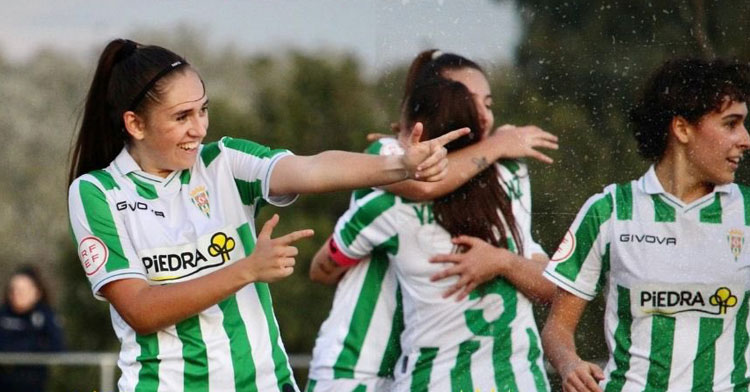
451,136
294,236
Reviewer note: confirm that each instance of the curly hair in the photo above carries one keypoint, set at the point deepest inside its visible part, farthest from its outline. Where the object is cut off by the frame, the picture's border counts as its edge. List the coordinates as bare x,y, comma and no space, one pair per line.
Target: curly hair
690,88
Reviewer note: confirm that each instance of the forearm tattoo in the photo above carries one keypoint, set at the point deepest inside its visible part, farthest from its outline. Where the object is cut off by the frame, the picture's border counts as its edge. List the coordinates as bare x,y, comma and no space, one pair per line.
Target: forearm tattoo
481,162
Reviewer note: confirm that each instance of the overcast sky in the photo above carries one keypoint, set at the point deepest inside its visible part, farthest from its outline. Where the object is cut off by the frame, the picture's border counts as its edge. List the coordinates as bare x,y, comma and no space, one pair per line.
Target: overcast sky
380,32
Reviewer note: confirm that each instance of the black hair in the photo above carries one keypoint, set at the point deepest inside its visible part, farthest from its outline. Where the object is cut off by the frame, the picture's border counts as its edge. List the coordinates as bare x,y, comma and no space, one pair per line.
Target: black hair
690,88
128,77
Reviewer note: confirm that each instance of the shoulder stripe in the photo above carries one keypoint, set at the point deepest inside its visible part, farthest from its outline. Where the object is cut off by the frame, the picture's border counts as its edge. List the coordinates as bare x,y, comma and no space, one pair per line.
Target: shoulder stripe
209,152
251,148
106,179
102,224
712,213
587,232
374,148
144,189
663,212
365,215
185,177
249,191
624,201
511,165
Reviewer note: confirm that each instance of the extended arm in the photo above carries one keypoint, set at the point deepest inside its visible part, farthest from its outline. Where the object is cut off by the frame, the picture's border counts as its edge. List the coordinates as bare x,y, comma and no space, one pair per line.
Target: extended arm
483,262
558,339
507,142
149,308
338,170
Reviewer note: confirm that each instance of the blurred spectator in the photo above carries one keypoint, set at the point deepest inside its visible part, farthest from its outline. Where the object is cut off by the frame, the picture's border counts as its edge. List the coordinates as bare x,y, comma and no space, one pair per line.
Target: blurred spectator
27,324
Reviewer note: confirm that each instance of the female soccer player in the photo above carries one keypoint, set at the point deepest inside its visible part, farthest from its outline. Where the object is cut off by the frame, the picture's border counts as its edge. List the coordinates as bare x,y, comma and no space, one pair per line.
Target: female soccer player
485,341
165,231
358,344
668,248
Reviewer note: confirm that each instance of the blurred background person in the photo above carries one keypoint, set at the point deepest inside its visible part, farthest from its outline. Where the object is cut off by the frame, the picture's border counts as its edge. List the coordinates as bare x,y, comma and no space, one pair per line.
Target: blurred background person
27,324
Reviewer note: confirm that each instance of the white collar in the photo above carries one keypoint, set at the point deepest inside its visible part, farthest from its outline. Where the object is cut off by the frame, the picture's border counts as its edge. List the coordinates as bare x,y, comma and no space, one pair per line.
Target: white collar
650,184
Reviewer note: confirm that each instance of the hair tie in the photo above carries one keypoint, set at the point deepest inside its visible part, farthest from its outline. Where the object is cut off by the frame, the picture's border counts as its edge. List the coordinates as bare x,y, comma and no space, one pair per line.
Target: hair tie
171,67
436,54
126,50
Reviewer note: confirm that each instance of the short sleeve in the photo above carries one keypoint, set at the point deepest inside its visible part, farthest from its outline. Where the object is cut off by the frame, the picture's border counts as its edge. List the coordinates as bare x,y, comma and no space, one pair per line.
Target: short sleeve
251,165
577,265
104,248
368,223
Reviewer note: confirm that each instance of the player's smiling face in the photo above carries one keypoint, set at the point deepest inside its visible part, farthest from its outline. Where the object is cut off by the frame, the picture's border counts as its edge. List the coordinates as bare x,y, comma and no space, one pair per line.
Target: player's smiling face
718,142
173,128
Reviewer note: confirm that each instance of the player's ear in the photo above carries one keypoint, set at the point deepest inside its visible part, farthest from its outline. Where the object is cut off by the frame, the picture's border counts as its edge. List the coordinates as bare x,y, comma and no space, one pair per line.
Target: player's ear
680,128
134,125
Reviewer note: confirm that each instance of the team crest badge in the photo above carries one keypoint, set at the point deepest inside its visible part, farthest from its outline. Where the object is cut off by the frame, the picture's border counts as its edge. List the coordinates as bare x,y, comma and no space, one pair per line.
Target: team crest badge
199,197
736,239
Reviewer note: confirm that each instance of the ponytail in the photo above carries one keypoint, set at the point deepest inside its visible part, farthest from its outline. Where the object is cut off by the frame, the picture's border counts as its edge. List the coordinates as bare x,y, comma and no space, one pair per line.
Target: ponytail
430,65
126,78
475,208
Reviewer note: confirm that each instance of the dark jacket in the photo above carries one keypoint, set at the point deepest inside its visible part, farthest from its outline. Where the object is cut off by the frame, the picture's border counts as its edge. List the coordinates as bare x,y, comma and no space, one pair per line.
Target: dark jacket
37,331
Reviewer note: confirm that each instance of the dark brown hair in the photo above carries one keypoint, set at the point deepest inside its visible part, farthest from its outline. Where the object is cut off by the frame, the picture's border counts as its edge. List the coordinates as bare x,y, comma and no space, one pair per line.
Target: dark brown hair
32,273
431,64
129,76
690,88
442,106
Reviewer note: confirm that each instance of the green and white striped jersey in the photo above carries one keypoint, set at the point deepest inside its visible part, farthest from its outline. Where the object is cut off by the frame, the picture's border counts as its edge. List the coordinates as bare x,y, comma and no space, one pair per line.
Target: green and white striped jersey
676,279
131,224
360,338
486,342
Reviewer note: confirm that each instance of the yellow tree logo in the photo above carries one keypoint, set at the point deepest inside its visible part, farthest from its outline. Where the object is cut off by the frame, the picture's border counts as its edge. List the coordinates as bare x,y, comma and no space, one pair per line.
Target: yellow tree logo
724,299
221,245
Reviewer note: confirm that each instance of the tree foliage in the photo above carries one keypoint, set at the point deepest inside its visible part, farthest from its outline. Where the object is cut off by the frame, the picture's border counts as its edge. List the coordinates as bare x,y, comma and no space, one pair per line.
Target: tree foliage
577,72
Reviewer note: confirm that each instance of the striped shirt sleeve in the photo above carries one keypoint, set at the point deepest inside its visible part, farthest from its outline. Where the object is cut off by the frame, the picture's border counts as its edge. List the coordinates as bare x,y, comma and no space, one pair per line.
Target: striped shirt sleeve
251,165
365,225
104,247
583,255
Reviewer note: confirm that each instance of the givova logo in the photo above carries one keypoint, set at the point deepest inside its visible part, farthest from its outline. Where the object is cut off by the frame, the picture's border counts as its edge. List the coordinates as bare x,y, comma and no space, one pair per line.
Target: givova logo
189,260
672,301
